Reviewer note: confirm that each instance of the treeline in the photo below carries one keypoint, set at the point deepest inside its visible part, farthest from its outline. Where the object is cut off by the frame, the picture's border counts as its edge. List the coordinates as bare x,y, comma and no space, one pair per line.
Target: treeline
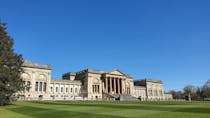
191,92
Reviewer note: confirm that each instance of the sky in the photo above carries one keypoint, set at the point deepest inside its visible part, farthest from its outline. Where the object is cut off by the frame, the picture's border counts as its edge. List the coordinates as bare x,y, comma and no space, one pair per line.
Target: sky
167,40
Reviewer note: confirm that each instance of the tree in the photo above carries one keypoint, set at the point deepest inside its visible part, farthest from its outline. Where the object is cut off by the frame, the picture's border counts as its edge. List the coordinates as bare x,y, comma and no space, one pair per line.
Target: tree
206,90
10,67
189,90
199,93
176,94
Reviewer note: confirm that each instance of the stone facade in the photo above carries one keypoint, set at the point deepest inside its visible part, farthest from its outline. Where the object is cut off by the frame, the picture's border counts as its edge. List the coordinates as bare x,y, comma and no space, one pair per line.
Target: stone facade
140,92
87,84
65,89
153,89
38,77
168,96
97,85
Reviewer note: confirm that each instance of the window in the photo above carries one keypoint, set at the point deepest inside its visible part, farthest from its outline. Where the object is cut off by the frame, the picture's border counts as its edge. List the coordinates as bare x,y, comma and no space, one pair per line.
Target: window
75,90
98,89
24,82
150,92
40,86
67,90
161,92
28,86
56,89
51,89
36,86
45,85
61,89
71,90
156,93
93,88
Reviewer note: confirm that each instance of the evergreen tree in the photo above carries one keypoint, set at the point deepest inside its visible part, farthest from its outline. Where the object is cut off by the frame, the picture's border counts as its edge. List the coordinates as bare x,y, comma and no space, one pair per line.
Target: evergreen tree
10,68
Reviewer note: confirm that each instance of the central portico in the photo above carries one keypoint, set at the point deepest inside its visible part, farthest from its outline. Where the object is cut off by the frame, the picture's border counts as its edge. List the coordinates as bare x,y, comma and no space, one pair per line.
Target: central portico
116,82
103,85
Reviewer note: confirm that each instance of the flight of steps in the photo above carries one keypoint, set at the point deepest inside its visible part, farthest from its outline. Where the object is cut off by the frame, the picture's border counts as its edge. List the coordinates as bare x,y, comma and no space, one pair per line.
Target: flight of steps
124,97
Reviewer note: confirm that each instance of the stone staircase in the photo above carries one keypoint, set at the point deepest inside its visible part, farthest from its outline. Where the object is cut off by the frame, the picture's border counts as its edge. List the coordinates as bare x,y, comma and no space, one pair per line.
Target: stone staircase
107,96
124,97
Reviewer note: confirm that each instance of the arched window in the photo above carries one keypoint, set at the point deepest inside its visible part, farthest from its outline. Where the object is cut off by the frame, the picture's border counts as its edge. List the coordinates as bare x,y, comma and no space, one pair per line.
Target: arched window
51,89
28,86
45,86
61,89
150,92
36,86
56,89
40,86
67,90
75,90
71,90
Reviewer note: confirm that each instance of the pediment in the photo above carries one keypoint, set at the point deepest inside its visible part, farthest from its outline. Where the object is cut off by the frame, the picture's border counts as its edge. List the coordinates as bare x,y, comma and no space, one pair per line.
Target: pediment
116,72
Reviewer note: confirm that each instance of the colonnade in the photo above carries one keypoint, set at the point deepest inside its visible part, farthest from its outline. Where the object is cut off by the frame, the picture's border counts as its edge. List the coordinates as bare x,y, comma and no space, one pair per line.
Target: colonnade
113,85
95,89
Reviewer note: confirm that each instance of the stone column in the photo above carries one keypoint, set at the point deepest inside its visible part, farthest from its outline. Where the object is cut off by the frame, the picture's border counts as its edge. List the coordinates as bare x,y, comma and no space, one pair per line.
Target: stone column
33,83
118,85
106,84
110,80
60,88
73,87
95,88
102,86
42,86
92,89
38,86
64,88
121,88
114,85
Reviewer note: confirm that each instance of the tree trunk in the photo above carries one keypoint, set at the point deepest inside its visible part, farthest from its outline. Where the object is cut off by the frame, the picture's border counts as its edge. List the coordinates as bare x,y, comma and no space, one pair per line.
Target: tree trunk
189,97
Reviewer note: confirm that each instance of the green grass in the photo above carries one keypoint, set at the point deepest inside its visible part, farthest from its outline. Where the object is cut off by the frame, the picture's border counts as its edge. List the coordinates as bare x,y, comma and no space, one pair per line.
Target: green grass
106,109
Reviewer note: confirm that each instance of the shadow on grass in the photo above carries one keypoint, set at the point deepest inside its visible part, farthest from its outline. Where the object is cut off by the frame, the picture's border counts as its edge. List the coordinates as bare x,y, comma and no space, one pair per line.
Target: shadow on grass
195,110
151,107
51,113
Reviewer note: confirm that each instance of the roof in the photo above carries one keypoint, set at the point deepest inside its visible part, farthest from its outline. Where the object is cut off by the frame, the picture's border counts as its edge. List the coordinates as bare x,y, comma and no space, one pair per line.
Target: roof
70,73
104,72
149,80
65,81
36,65
90,70
152,80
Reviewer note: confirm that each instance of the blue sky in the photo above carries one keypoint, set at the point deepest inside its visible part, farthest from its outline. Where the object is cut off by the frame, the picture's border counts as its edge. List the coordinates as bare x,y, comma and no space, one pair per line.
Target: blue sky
167,40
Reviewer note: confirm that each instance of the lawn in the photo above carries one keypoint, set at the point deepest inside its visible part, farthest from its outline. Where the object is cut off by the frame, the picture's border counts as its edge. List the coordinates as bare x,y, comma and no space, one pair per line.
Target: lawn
106,109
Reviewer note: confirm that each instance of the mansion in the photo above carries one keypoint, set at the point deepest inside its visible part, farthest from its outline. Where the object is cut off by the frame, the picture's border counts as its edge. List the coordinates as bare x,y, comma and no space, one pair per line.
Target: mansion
87,84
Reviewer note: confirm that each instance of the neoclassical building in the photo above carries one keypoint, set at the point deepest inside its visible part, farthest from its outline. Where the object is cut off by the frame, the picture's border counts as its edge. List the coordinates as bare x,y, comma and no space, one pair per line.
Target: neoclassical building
153,89
97,84
42,87
87,84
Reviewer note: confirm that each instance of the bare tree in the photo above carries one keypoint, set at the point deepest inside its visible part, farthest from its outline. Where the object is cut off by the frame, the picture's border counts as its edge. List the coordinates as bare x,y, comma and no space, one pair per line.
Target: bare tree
188,90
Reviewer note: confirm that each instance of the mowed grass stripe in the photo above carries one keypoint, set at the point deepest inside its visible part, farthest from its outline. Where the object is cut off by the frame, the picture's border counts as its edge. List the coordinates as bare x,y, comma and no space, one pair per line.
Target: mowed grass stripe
106,109
202,107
